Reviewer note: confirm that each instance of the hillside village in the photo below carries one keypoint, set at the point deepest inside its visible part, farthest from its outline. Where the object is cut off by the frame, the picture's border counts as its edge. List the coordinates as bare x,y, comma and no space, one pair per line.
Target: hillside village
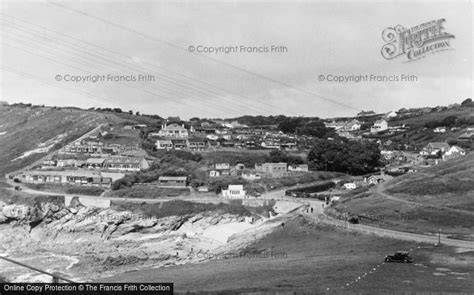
114,152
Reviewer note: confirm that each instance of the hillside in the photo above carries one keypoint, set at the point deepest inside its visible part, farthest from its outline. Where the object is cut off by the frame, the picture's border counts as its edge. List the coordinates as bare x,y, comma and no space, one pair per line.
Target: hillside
434,198
29,132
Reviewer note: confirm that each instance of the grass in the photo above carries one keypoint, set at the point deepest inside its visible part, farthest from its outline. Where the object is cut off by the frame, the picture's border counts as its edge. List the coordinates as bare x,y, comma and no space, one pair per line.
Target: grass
67,189
21,198
147,192
434,198
317,259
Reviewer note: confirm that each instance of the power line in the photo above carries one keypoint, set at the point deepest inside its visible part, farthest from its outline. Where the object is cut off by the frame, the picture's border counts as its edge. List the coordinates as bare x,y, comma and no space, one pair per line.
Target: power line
201,88
80,12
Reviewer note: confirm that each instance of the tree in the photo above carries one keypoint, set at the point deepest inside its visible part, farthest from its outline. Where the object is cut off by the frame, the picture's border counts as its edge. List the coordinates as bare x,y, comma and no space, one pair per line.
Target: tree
467,103
348,157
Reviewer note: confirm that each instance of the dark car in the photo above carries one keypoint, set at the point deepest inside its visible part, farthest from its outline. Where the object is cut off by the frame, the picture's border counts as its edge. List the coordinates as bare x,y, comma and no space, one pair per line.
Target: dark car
17,188
400,256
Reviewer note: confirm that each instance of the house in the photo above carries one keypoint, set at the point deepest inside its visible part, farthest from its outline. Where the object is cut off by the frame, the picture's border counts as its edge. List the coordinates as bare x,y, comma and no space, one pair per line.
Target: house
454,152
94,163
377,178
179,144
173,130
272,170
366,114
433,148
196,144
251,176
352,125
73,177
379,125
439,130
466,136
298,168
234,191
128,164
350,185
214,173
164,144
222,166
172,181
391,114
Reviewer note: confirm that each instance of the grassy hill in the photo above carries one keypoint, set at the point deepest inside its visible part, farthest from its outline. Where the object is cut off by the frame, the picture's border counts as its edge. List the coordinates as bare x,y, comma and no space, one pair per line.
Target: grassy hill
434,198
27,128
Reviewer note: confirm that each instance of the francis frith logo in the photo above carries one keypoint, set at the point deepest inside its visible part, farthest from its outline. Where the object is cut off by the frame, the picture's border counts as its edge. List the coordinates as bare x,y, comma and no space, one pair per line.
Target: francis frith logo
415,42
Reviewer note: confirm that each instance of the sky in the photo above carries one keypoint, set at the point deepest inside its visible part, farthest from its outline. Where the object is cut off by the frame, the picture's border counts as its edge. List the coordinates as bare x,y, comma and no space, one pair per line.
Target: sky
41,40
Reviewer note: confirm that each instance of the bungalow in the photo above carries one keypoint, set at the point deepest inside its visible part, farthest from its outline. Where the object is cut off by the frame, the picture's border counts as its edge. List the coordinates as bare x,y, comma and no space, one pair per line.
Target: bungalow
172,181
379,125
214,173
222,166
94,163
298,168
125,163
251,176
350,186
439,130
76,177
234,191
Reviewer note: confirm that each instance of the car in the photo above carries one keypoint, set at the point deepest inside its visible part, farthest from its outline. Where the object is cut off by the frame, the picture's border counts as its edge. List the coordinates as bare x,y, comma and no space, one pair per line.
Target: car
399,256
17,188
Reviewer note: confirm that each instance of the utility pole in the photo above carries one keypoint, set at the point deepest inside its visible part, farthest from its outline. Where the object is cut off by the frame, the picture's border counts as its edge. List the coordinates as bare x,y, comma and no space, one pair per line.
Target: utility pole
439,237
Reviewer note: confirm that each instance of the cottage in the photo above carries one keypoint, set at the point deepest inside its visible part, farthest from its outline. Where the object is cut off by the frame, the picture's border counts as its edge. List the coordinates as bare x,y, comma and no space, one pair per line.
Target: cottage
234,191
172,181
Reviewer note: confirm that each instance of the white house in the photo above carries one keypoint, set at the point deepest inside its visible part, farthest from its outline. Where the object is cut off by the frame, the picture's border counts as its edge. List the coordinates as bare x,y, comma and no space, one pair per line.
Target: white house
454,152
173,130
391,114
234,191
250,176
298,168
379,125
350,185
439,130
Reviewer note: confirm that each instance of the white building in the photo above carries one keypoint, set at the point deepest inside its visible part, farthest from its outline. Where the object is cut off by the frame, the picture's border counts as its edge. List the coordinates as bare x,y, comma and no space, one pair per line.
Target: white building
234,191
350,185
379,125
173,130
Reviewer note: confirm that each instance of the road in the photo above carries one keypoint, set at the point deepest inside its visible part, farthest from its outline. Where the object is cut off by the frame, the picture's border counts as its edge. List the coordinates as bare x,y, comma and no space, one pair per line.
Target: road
314,211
